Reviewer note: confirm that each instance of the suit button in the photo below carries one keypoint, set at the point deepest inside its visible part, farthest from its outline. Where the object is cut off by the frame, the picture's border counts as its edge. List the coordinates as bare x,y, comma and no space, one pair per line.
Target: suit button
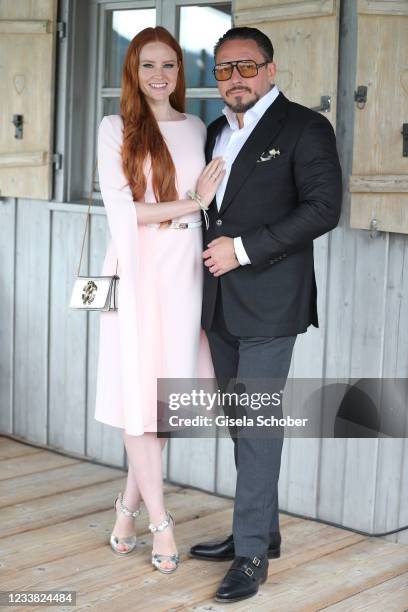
219,222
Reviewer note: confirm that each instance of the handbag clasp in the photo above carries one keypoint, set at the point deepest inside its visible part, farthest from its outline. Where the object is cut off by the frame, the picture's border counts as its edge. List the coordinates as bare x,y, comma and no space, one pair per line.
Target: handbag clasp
88,292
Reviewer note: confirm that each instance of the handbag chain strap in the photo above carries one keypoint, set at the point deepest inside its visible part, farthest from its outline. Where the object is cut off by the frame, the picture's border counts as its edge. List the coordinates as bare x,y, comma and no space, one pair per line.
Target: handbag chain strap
88,215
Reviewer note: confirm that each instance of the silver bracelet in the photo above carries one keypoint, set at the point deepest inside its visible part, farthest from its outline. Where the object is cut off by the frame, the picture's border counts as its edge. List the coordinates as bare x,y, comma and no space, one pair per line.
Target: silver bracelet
197,198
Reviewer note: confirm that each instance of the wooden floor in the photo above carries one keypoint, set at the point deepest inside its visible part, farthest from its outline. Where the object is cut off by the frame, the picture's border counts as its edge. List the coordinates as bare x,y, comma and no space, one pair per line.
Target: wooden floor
56,518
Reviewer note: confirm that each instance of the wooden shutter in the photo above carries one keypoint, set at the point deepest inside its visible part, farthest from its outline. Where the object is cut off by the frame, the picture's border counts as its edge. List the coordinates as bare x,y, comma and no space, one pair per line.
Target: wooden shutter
305,38
27,51
379,181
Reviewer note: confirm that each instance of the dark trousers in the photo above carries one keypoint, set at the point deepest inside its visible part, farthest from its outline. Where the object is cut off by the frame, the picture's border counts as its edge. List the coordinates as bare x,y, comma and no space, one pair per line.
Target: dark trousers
256,510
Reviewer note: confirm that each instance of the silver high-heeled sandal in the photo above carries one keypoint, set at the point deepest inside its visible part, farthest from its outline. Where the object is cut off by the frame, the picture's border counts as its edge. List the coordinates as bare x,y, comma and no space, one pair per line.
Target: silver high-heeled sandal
158,558
129,541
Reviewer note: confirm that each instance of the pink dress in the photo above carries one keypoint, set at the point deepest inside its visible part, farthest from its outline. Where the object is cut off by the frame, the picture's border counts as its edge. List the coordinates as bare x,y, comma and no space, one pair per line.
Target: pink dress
156,332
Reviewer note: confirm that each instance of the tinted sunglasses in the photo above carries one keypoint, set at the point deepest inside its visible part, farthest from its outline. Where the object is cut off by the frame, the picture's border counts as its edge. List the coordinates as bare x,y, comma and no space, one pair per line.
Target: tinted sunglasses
246,68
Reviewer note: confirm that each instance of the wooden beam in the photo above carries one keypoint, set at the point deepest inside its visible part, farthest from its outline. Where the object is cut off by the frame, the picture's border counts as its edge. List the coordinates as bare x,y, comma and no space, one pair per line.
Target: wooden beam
397,183
388,210
285,10
10,160
25,26
383,7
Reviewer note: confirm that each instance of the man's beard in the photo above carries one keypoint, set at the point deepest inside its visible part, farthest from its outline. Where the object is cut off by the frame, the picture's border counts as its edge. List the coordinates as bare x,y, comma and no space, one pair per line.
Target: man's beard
241,107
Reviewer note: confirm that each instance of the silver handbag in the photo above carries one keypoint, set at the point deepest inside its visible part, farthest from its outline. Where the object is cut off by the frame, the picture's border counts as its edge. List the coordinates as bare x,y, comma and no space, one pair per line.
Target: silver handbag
94,292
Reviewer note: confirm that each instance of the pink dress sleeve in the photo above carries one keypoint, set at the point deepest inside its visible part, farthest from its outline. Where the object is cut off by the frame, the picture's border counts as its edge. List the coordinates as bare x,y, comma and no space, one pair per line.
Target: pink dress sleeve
122,221
116,193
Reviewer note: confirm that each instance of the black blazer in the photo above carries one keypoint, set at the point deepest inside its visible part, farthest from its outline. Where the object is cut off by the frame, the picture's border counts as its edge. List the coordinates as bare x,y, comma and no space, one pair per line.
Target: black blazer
278,207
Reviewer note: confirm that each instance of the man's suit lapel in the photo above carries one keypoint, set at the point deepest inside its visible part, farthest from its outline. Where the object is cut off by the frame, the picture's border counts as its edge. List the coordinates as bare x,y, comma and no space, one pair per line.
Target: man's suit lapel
258,141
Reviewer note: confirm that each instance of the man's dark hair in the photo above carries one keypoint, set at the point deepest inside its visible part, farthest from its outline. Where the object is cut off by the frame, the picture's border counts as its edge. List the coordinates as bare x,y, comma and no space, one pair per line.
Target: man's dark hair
244,33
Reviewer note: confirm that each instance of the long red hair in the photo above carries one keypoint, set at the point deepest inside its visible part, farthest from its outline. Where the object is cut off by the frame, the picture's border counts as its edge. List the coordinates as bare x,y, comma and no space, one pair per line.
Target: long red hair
141,134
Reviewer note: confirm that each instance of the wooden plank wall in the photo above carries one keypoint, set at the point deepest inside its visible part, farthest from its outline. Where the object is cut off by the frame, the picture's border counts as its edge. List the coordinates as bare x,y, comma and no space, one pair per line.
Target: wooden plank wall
48,353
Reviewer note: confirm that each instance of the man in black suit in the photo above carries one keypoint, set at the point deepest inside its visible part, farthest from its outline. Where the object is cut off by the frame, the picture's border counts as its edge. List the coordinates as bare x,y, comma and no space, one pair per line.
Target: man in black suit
282,189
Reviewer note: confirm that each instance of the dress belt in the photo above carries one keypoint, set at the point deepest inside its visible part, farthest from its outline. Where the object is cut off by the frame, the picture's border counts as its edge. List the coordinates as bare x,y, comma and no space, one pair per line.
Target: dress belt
176,225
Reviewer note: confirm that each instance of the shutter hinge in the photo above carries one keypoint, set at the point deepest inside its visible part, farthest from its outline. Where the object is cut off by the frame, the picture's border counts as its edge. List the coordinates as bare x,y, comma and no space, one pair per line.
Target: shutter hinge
57,161
61,29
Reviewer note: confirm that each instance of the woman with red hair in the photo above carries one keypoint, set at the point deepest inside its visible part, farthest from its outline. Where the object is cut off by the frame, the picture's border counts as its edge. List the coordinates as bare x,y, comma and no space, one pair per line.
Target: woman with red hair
149,158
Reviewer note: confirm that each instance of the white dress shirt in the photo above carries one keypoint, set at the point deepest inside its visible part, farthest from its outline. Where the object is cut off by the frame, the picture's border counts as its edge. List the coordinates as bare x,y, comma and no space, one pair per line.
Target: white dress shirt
229,143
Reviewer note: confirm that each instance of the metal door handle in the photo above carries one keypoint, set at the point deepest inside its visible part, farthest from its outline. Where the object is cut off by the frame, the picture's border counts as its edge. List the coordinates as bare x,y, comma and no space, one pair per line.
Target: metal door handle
404,133
360,96
325,104
18,121
374,228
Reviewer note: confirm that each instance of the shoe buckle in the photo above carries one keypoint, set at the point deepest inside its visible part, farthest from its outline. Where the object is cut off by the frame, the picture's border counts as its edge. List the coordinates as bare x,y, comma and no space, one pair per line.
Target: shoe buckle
256,561
249,571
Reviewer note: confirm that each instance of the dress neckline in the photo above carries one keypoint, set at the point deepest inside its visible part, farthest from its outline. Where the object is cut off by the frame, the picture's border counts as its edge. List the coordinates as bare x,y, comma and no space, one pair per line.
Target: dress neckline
173,120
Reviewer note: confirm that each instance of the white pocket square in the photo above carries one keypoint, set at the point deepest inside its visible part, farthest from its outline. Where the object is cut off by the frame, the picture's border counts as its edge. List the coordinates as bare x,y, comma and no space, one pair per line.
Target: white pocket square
267,155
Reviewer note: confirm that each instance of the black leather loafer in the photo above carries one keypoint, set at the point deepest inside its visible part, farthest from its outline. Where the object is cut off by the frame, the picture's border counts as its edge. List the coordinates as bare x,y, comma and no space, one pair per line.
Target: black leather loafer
242,579
225,550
